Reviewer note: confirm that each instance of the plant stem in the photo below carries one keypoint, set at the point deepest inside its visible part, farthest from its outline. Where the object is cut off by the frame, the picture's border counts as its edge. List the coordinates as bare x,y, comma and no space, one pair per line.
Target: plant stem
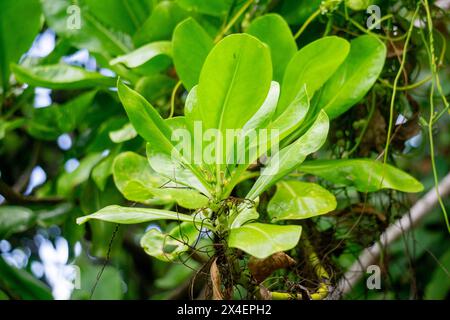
394,91
233,20
408,87
366,126
172,99
430,122
307,22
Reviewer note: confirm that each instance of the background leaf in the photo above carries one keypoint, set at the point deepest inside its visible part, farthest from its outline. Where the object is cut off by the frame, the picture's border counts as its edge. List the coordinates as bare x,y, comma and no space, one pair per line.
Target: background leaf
15,219
15,35
61,76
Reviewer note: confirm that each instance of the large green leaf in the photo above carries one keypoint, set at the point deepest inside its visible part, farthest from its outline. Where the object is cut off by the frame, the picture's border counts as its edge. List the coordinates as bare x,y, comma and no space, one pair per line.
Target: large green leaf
273,30
168,247
235,80
145,119
277,129
161,23
214,8
15,219
354,77
125,215
364,174
300,200
261,240
312,66
164,165
20,22
138,182
134,178
191,45
244,213
152,57
61,76
149,124
263,116
21,284
290,157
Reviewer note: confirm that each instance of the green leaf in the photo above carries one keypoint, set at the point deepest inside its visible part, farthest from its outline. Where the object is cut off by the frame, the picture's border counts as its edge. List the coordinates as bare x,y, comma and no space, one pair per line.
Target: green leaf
235,79
109,287
135,179
214,8
126,16
149,124
161,23
168,247
186,198
138,182
358,4
437,289
155,86
261,240
20,22
85,29
60,76
53,215
15,219
126,133
191,45
21,284
244,215
273,30
364,174
103,170
312,66
263,116
290,157
50,122
279,128
145,119
355,76
300,200
164,165
124,215
176,274
152,57
69,180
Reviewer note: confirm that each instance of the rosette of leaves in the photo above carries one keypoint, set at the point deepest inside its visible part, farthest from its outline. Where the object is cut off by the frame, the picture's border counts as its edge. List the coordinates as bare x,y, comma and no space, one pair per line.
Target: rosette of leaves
236,90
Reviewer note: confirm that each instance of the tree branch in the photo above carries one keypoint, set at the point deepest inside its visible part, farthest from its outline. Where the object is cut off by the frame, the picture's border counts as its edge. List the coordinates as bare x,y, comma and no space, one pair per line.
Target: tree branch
13,197
408,221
